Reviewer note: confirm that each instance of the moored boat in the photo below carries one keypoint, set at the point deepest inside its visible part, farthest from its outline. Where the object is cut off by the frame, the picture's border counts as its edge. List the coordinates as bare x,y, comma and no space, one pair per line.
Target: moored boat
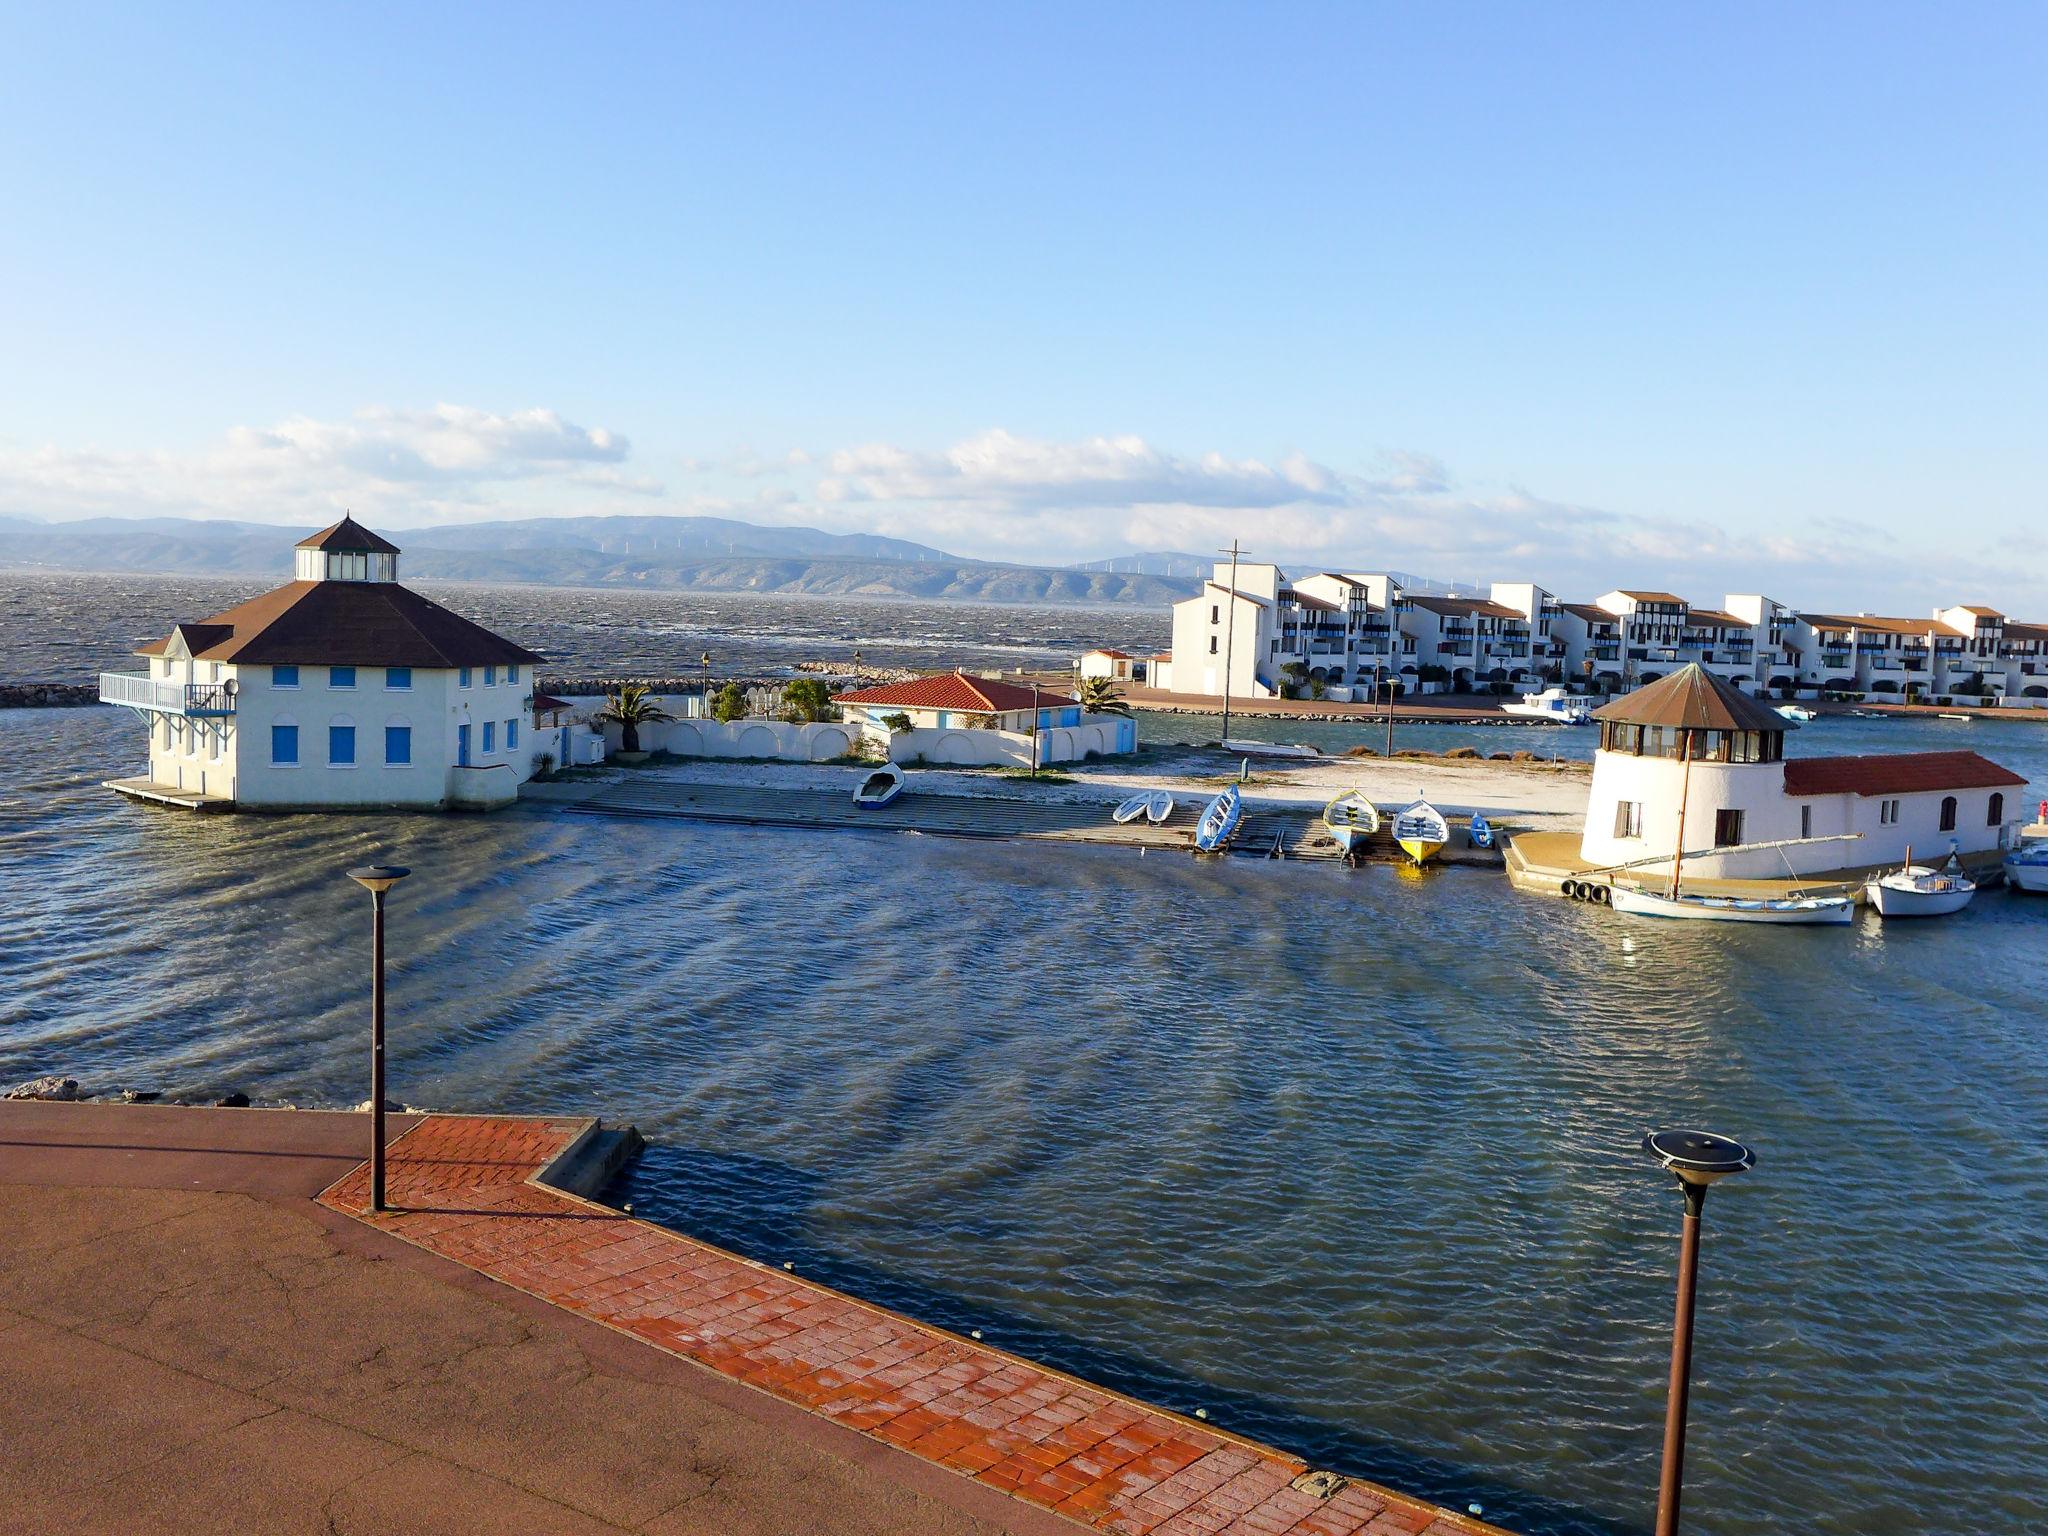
1734,909
1421,831
2026,867
1219,820
1479,834
1914,890
880,787
1351,820
1796,712
1558,705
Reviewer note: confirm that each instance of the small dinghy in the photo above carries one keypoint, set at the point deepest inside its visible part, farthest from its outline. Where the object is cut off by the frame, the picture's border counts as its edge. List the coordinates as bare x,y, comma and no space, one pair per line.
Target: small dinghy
1735,909
880,787
1421,831
2026,867
1480,833
1352,820
1914,890
1219,821
1155,805
1796,712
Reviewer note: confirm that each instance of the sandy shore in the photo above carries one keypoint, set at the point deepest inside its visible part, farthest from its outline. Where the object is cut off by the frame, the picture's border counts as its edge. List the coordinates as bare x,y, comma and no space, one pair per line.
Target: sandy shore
1544,796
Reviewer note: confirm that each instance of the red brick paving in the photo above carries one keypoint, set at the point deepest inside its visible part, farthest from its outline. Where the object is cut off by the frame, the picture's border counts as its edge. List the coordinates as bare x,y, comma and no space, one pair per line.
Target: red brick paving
464,1187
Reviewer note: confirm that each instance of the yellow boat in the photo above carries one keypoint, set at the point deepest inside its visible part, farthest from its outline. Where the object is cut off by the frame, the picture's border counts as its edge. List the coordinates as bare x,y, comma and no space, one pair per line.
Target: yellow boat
1352,820
1421,831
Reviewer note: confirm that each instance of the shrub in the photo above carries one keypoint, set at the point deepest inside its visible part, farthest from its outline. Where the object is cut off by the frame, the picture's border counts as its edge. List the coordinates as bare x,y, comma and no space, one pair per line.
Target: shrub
730,704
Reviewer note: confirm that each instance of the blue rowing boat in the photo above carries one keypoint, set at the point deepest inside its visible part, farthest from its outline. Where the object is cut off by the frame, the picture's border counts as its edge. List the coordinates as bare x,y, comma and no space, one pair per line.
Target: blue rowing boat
1219,821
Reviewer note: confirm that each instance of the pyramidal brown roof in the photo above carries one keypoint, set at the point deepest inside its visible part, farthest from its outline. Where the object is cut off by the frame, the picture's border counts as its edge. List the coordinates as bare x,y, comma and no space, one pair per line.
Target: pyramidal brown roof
1692,698
350,536
345,623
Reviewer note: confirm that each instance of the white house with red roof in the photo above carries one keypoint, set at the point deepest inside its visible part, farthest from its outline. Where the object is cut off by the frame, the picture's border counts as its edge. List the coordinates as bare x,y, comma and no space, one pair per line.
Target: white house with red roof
339,690
952,717
1695,740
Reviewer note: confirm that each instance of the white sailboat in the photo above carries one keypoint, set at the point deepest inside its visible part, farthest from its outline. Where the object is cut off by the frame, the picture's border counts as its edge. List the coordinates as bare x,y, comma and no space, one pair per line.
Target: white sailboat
1914,890
1352,820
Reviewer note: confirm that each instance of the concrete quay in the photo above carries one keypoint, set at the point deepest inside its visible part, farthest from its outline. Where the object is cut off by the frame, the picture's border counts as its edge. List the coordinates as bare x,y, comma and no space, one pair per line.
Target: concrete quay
205,1331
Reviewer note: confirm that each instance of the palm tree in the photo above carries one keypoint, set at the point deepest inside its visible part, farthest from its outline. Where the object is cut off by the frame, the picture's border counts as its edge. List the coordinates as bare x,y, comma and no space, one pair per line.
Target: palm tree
1099,696
629,709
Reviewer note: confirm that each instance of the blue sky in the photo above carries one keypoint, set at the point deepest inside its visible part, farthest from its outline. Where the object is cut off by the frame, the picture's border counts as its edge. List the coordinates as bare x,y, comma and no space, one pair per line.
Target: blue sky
1743,297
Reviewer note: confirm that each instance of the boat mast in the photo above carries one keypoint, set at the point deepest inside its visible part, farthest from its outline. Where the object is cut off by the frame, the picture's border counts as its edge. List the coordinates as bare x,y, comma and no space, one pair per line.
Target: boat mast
1684,793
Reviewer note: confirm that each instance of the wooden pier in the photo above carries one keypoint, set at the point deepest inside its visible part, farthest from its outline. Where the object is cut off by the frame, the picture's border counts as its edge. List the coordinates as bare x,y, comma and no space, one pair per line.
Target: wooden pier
1295,831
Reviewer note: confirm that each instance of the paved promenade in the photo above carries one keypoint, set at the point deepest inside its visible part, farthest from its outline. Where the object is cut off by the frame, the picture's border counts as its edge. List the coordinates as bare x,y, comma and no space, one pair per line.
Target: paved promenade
208,1333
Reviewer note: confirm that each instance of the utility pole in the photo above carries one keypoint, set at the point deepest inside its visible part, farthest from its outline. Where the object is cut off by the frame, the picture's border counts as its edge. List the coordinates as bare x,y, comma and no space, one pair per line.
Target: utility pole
1034,727
1229,634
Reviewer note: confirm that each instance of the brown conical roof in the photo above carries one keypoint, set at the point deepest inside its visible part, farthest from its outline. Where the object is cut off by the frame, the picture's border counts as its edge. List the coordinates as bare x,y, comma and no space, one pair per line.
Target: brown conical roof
1692,698
351,537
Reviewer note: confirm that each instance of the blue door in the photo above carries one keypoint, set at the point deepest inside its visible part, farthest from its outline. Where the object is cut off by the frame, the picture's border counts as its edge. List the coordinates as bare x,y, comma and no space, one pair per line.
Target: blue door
462,745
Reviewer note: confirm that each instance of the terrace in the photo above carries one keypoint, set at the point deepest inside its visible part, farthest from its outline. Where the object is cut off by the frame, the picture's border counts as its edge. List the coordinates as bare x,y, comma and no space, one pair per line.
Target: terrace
197,701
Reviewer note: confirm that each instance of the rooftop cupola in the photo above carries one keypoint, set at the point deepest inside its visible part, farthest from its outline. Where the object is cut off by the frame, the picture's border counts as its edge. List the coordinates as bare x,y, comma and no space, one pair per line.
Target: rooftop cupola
347,552
1693,715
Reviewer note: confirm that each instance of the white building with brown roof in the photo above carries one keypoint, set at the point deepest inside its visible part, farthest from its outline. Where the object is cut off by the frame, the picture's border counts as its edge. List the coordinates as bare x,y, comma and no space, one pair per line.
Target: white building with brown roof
951,717
1693,757
338,690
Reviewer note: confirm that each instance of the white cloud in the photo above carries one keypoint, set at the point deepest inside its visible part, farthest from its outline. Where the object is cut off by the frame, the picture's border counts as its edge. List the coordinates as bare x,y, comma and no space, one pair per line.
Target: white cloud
405,466
999,495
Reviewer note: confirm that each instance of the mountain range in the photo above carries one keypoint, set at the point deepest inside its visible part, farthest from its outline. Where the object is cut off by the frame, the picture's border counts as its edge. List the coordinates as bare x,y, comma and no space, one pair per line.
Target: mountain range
708,554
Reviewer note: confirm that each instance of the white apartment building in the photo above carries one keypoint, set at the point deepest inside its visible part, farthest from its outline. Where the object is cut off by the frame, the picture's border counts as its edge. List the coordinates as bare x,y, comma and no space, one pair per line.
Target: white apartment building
1348,631
339,690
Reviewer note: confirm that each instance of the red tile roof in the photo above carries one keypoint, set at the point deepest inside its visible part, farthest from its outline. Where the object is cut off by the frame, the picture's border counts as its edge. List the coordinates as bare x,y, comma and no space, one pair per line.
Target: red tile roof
956,690
1654,597
350,536
1104,650
548,704
346,623
1895,773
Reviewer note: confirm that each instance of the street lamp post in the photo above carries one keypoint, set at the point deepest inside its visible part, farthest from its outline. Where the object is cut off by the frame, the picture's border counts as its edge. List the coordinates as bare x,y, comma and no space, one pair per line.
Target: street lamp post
377,879
704,661
1696,1159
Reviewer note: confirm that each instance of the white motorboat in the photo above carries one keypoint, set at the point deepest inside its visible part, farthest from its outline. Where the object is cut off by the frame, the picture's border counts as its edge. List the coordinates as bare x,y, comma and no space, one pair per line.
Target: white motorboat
1352,820
2026,867
880,787
1734,909
1219,821
1917,891
1797,712
1421,831
1155,805
1556,704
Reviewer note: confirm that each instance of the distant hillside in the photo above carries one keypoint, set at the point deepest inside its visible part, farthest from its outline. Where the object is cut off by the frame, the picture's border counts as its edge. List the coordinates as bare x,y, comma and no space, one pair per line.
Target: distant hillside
663,553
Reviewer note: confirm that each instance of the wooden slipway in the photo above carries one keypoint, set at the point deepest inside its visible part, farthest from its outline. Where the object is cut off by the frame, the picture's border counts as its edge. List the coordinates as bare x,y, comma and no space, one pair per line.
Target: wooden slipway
1297,830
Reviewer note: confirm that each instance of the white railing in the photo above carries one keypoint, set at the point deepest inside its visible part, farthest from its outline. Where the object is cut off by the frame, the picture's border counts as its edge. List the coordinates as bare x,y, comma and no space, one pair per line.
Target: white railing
140,692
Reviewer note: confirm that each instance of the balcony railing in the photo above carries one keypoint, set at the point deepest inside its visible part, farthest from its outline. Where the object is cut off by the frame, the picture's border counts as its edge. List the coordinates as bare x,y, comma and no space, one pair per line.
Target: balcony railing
168,698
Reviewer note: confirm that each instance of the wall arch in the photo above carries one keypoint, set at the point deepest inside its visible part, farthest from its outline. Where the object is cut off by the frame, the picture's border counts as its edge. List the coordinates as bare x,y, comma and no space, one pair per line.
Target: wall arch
829,742
685,740
757,741
954,747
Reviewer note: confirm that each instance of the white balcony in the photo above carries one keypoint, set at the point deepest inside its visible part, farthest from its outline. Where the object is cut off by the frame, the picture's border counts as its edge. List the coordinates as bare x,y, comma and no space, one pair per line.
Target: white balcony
196,700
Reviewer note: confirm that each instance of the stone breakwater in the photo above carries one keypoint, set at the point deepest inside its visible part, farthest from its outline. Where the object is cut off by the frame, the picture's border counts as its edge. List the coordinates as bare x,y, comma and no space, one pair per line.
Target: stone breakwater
48,695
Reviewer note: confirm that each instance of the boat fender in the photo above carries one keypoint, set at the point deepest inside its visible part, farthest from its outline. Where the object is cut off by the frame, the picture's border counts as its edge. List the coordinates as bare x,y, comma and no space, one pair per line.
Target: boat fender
1572,890
1603,895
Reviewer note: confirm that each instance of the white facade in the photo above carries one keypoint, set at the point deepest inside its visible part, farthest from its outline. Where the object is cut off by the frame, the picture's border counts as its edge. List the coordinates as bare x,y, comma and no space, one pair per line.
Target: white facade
1338,629
331,733
1117,666
1632,813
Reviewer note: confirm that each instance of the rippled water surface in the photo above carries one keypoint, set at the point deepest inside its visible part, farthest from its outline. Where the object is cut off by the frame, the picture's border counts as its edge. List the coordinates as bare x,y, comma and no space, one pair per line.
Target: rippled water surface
1346,1158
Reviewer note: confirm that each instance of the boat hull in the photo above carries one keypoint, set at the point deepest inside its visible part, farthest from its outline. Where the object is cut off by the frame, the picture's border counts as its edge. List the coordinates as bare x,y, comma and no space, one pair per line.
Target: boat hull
1421,849
1219,822
1893,902
2028,874
1724,909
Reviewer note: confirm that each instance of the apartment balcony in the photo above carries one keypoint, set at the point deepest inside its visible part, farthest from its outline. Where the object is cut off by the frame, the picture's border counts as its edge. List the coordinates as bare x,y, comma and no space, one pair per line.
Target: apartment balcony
199,701
1605,652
